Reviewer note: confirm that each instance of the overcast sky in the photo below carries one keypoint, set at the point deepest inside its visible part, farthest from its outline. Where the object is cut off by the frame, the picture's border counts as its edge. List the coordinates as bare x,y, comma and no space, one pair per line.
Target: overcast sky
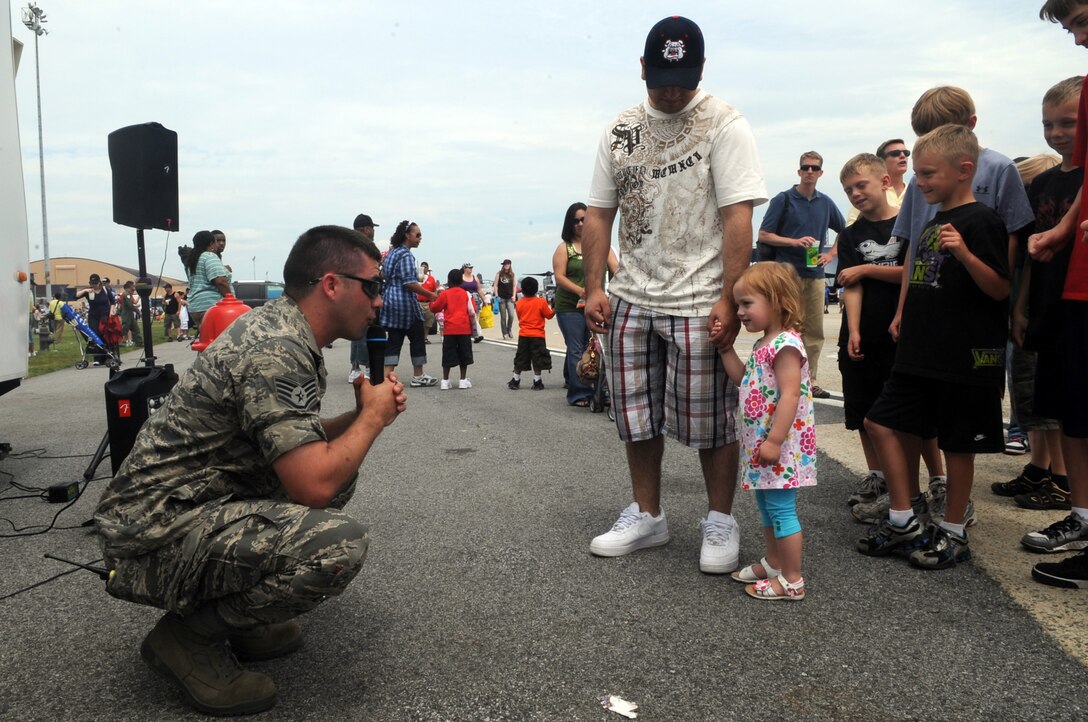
477,120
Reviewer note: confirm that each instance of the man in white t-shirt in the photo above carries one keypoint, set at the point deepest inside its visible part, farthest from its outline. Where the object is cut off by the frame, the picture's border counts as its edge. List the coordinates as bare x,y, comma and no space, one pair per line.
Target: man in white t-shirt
682,171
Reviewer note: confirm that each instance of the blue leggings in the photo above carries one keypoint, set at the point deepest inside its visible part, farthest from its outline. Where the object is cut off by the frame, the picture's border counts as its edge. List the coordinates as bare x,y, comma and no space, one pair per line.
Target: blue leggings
778,510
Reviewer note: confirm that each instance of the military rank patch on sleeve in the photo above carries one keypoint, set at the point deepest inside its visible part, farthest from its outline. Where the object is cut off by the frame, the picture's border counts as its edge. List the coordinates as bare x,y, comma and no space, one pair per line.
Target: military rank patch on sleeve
301,396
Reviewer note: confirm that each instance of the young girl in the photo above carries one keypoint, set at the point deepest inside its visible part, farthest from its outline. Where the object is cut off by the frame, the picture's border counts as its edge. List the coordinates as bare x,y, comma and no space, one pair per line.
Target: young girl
778,429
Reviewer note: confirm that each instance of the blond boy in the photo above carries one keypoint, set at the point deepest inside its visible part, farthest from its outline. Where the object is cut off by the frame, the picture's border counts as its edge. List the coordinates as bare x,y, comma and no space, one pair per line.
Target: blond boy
950,361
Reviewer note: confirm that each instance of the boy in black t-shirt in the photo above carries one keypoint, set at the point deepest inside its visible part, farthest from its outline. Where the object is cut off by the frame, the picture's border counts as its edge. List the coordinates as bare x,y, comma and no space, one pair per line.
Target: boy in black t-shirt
1038,328
870,269
950,361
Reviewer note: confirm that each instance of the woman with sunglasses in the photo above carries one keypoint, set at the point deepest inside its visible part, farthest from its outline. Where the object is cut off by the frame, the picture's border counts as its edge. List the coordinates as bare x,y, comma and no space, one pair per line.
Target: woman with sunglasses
570,299
505,286
400,313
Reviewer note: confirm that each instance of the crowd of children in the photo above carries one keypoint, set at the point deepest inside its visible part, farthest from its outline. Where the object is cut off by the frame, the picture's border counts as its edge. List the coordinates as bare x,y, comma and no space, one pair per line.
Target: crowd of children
937,276
976,252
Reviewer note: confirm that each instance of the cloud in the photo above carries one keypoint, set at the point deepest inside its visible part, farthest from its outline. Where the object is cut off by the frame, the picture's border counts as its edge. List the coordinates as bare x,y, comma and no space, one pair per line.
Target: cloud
479,121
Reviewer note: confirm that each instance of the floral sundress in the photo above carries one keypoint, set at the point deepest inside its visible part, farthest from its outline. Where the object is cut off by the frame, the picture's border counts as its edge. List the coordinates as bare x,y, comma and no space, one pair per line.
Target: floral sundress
796,465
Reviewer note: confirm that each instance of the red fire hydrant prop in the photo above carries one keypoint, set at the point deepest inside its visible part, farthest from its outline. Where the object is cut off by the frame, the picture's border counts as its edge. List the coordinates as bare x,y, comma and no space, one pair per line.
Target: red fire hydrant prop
217,318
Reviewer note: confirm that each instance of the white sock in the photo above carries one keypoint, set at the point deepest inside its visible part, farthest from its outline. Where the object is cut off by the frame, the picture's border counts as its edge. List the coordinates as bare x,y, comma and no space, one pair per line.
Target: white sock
517,377
900,517
1082,513
537,377
720,516
957,529
877,473
938,477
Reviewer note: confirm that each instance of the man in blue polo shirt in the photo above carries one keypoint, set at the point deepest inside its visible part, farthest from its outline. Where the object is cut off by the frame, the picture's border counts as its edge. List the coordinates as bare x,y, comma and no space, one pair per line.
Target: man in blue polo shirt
793,230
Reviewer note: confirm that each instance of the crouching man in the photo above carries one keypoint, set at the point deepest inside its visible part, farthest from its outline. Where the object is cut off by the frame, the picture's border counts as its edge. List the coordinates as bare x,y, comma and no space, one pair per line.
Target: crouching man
227,512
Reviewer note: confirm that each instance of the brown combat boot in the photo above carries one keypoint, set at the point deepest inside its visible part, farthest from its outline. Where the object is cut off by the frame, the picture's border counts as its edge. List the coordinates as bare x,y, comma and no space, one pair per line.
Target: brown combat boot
206,670
267,641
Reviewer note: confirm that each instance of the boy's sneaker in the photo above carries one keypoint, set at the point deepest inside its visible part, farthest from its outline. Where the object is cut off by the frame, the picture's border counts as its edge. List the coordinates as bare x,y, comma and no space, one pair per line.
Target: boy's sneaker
1051,496
938,496
632,531
886,538
1071,573
873,512
1022,484
424,380
538,385
1016,446
354,374
464,384
1069,534
720,553
445,385
942,550
513,384
869,489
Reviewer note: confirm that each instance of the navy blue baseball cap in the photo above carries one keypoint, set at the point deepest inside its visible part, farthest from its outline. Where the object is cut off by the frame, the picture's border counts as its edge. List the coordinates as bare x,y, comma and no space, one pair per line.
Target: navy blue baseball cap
674,54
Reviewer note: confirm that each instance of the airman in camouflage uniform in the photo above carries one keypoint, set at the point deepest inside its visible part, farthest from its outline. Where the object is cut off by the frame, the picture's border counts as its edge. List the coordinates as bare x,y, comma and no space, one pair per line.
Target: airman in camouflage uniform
227,512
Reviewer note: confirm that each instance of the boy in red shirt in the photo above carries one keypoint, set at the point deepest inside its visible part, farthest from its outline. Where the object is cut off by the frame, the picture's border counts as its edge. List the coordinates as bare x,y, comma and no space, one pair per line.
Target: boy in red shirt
532,352
456,331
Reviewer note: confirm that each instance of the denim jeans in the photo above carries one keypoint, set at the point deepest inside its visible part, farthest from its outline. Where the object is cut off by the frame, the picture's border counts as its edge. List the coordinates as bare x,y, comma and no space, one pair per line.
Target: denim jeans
507,314
572,324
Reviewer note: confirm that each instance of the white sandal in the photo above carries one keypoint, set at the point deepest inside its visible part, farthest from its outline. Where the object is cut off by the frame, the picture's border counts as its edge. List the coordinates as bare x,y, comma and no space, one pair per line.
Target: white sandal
749,576
762,590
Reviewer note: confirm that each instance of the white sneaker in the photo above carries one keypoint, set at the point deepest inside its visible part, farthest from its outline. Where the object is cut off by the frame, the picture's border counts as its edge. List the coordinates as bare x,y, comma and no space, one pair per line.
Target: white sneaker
720,553
445,385
355,373
633,530
423,380
464,384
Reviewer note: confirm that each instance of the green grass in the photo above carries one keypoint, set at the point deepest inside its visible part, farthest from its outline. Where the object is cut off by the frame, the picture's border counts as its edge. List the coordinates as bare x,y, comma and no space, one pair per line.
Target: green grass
66,356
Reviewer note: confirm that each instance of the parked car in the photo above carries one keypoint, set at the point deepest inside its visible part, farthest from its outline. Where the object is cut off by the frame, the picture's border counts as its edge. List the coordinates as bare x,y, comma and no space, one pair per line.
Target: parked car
257,293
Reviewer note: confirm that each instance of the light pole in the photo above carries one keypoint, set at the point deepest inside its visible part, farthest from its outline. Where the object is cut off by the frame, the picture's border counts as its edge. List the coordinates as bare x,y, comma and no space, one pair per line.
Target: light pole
34,18
254,267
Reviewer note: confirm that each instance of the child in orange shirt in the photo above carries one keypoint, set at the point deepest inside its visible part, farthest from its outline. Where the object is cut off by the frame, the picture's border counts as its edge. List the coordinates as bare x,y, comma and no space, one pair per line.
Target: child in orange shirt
532,352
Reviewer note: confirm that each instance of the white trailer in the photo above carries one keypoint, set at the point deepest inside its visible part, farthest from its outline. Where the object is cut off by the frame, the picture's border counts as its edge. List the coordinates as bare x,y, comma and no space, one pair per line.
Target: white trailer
15,286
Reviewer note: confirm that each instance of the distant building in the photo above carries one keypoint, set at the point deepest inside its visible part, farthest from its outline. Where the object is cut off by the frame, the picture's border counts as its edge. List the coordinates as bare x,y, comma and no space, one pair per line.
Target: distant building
70,274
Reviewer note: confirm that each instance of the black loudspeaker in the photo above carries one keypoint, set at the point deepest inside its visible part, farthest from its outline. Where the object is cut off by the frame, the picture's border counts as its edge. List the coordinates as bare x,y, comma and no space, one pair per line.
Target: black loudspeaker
132,396
144,159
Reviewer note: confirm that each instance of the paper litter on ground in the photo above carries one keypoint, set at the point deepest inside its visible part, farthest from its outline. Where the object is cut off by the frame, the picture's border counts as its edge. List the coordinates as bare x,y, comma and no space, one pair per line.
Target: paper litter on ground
619,705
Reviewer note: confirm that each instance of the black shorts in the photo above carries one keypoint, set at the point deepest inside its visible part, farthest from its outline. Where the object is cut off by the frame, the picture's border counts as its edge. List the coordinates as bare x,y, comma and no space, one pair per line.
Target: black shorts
456,350
1060,394
863,381
964,419
533,354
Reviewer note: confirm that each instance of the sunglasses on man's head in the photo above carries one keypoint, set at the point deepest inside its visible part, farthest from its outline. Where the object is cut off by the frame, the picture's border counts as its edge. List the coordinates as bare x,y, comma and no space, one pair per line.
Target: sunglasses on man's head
898,152
811,167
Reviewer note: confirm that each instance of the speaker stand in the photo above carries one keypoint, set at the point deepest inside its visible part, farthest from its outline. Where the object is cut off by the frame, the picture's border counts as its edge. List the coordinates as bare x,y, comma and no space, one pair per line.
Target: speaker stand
143,288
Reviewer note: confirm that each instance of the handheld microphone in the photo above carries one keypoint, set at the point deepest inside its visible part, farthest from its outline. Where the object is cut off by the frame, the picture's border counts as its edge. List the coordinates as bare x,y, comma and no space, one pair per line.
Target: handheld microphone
375,351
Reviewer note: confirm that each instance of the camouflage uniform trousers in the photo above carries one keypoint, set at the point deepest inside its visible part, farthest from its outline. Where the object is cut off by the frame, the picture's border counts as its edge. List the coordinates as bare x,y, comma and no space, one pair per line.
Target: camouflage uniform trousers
261,562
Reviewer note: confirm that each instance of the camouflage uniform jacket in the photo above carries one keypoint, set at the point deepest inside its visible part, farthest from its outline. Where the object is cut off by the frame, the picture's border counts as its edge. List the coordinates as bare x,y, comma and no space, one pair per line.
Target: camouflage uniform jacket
251,396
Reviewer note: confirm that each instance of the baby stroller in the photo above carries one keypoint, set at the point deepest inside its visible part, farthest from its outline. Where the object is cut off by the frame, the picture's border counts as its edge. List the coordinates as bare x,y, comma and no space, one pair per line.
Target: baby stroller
86,338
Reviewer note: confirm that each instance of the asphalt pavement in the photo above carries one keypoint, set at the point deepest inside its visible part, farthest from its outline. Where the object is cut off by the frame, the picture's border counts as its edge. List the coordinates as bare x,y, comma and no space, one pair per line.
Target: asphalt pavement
479,599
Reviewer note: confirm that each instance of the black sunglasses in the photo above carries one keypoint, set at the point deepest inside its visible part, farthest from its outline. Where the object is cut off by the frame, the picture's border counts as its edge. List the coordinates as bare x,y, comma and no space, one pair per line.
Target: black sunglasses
372,287
812,167
579,221
896,153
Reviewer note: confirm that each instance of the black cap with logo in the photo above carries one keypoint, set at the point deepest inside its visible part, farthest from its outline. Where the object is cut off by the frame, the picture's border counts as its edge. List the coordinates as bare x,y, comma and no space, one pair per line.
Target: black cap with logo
674,54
